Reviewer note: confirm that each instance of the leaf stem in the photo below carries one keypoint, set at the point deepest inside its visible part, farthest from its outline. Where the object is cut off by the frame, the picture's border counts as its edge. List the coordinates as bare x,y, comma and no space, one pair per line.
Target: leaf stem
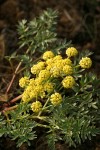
43,107
39,117
41,125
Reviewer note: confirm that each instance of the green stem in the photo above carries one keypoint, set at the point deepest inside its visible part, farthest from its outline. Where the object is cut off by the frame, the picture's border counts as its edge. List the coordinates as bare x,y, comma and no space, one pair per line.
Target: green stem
77,66
43,107
41,125
39,117
61,87
7,117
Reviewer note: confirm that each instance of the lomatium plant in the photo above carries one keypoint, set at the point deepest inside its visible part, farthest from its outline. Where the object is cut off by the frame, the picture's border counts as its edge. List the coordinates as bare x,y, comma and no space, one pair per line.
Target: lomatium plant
59,98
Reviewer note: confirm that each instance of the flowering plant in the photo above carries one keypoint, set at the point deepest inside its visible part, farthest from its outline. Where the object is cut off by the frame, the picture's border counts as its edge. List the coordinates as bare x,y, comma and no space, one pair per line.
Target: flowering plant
59,95
49,74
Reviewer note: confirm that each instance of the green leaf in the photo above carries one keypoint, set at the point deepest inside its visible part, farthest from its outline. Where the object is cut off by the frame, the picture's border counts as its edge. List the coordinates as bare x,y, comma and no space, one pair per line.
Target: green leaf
51,140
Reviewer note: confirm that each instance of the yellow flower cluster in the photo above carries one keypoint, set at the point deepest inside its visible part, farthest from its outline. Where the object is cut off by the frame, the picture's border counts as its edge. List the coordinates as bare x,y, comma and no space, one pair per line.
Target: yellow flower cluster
36,106
71,51
56,69
48,55
49,87
23,82
38,86
57,58
56,99
85,62
67,61
38,67
56,65
27,94
45,71
48,74
68,70
33,91
44,74
68,82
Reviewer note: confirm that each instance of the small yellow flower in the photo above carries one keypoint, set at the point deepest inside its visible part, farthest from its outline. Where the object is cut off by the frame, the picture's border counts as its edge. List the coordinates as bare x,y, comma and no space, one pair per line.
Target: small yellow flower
71,51
44,74
50,64
39,91
28,94
49,87
54,62
85,62
57,58
25,97
56,99
56,69
48,55
49,61
68,82
67,69
67,61
23,82
38,67
36,106
32,82
38,81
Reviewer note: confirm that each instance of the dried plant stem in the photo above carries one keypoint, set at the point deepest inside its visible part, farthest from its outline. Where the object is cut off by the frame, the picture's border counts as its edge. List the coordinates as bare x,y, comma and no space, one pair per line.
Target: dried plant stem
9,108
12,80
6,107
16,99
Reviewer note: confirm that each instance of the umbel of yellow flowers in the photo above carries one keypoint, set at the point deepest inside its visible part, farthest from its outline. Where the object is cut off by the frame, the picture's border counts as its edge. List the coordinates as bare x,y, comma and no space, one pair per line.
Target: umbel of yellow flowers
85,62
51,68
71,51
23,82
36,106
56,98
68,82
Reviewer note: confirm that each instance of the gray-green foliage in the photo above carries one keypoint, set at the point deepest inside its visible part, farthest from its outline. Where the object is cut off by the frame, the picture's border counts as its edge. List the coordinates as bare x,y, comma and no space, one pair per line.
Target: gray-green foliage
40,33
19,126
73,121
76,118
37,36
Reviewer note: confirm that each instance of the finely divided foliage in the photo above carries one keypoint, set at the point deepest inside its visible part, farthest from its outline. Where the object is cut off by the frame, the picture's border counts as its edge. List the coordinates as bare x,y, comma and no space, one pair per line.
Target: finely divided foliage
58,93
